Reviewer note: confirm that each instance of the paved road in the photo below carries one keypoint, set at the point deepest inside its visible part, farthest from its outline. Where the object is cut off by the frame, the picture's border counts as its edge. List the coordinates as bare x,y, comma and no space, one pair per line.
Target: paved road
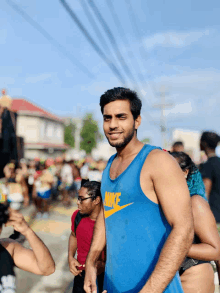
55,234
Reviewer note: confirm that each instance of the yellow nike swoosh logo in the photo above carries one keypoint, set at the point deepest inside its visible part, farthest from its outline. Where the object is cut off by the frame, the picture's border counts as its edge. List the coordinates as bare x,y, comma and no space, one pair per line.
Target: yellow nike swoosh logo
115,210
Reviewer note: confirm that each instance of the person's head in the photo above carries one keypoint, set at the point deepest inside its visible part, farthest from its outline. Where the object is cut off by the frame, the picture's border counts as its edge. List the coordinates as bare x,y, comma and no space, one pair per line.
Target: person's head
209,140
4,215
178,146
121,109
89,197
41,166
185,163
49,162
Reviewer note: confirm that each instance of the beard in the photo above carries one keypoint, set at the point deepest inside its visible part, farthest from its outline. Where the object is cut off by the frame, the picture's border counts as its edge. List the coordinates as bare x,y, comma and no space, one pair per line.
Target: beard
125,141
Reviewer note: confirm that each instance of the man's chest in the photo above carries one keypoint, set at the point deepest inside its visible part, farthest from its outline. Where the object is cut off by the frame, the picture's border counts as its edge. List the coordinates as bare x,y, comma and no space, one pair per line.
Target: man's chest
118,167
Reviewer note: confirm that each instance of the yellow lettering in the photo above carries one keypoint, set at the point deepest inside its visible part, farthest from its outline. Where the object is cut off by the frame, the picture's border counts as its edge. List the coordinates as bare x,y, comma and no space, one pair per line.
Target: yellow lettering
117,199
112,199
107,199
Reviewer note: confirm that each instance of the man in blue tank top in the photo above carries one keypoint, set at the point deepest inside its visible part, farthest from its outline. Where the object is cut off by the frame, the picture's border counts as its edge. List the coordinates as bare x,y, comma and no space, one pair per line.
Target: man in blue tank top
146,221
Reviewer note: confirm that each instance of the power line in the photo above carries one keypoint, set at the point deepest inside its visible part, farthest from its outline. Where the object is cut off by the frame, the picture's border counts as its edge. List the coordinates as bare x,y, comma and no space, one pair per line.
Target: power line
49,38
137,32
113,42
94,25
124,38
93,43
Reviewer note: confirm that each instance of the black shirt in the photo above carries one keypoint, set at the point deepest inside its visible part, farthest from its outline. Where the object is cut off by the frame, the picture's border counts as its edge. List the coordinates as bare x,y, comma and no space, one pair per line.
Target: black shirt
211,170
7,275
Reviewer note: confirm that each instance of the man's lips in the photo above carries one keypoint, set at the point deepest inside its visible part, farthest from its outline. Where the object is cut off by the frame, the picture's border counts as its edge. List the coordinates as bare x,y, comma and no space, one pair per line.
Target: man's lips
114,135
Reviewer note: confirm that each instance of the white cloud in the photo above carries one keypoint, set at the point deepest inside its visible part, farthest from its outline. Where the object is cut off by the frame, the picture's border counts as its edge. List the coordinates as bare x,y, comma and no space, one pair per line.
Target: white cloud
174,39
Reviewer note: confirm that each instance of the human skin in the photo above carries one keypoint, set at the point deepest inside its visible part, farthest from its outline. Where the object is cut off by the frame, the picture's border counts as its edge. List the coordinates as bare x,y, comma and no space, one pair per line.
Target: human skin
200,278
38,259
163,182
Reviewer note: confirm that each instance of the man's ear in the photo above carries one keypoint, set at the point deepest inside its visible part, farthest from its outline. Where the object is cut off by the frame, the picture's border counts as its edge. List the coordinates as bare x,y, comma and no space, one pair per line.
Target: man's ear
137,122
97,200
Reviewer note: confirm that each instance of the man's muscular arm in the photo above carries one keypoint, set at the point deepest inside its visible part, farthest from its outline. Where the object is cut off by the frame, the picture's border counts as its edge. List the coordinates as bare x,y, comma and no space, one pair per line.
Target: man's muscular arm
97,246
173,196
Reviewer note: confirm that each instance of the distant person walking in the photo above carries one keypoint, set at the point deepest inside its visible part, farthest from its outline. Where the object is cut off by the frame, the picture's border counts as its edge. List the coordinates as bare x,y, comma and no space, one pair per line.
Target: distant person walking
178,146
210,171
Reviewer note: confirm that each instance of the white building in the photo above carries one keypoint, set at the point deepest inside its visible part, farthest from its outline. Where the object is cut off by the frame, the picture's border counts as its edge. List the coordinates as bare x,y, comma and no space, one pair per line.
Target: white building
103,151
191,140
42,131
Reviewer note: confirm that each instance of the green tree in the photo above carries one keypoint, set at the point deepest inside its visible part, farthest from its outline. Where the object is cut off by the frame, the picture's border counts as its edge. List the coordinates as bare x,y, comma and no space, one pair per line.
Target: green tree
90,134
69,132
146,140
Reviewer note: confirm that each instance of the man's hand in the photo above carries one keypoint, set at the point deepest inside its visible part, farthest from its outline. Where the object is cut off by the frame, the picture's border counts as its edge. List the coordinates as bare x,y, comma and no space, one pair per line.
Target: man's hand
90,279
17,221
73,264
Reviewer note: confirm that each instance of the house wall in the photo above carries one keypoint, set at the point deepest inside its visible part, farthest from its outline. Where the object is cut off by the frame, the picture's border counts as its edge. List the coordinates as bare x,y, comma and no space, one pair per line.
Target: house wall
51,131
40,130
28,128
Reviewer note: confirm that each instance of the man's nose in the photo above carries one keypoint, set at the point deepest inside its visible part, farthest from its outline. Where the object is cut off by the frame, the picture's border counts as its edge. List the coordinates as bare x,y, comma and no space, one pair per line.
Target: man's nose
113,123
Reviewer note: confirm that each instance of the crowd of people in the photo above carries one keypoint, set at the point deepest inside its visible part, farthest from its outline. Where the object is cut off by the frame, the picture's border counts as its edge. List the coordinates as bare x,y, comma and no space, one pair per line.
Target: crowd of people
149,226
38,181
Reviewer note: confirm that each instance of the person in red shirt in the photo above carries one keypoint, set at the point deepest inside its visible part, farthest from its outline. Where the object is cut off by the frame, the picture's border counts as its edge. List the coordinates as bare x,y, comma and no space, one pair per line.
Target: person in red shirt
83,221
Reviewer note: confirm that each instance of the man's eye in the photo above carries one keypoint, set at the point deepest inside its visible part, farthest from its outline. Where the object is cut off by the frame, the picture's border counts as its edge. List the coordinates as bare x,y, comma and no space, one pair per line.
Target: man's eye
106,118
122,117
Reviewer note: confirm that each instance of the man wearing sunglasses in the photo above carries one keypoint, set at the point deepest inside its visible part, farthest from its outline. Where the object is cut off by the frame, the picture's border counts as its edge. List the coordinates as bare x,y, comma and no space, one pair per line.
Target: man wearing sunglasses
83,221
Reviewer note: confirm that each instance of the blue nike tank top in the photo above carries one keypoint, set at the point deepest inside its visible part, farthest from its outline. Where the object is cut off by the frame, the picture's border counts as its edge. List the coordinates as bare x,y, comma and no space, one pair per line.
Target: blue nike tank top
136,230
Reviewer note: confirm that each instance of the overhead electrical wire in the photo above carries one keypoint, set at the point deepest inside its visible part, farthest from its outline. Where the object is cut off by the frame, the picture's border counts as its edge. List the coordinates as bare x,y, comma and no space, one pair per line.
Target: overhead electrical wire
125,39
94,25
113,42
137,32
49,38
93,43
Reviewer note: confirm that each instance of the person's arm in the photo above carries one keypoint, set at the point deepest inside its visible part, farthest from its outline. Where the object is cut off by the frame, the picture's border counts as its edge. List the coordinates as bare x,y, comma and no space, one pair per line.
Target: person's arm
37,260
207,174
208,186
97,246
73,263
206,230
173,196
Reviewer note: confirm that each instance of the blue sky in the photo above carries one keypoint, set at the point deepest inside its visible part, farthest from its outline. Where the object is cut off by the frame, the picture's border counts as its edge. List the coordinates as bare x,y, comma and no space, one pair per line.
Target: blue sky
176,48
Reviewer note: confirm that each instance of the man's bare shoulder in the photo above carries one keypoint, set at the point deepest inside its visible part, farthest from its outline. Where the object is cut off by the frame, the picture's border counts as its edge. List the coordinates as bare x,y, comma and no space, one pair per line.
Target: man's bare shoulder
159,156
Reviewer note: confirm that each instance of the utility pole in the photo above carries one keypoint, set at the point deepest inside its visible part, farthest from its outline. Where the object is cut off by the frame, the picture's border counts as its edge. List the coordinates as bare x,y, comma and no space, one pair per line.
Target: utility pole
162,106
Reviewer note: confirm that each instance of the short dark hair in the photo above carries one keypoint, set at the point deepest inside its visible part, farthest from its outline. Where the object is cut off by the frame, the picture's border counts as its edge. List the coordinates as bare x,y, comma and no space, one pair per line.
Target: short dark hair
178,143
185,163
211,138
93,187
120,93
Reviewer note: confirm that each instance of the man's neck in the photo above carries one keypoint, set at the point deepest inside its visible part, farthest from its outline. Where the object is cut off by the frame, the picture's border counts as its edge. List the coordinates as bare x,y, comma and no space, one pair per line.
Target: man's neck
133,147
93,216
210,153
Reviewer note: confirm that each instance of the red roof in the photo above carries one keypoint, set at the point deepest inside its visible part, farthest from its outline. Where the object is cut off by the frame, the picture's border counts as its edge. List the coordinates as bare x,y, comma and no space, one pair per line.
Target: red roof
22,105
